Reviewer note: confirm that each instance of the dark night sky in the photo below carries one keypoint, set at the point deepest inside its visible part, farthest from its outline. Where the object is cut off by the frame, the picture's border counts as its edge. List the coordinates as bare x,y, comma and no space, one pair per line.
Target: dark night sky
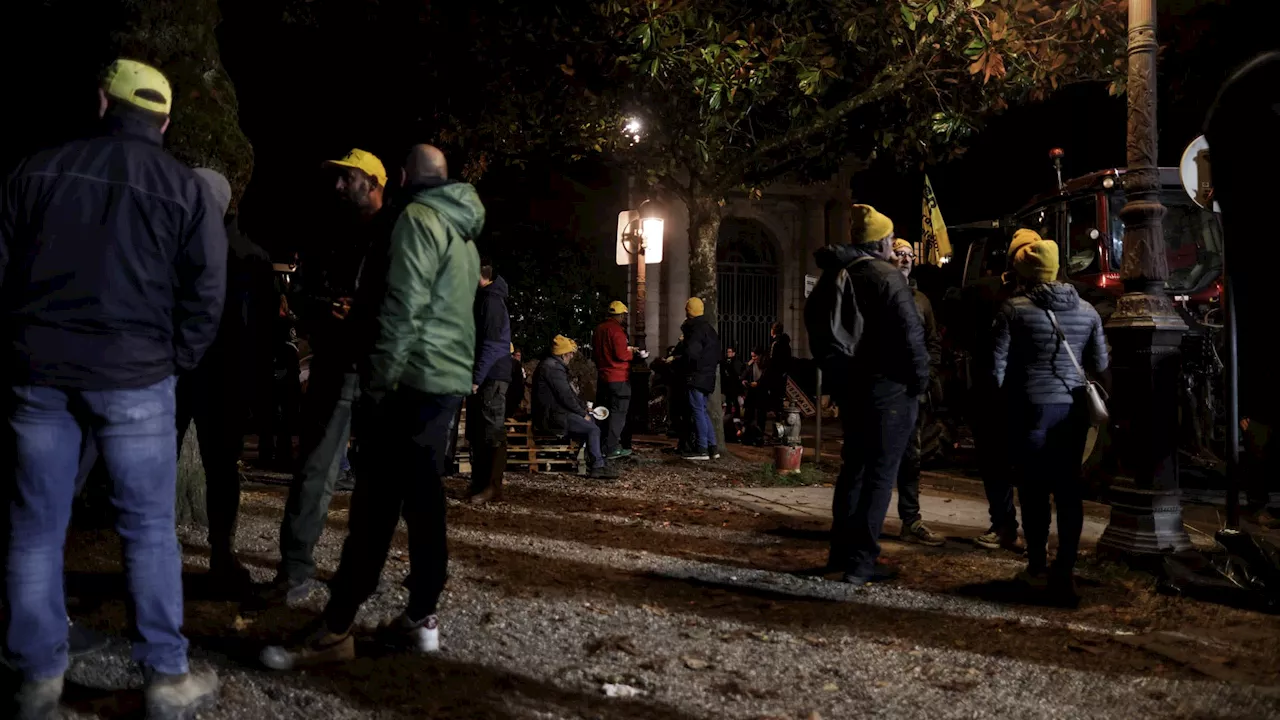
309,94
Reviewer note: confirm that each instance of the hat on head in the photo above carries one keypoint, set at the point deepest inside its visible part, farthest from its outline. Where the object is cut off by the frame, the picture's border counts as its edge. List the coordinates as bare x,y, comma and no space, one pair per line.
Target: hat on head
561,345
364,161
138,84
1037,261
219,188
617,308
868,225
1021,239
900,244
694,307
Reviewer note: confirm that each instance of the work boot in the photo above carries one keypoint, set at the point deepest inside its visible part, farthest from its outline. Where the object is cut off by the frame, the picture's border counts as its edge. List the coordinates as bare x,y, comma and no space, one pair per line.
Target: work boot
918,532
618,454
405,634
318,646
38,699
604,472
281,591
180,697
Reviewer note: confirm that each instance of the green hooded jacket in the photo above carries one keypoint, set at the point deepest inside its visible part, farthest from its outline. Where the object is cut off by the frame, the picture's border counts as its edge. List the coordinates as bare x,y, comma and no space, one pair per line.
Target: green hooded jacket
426,333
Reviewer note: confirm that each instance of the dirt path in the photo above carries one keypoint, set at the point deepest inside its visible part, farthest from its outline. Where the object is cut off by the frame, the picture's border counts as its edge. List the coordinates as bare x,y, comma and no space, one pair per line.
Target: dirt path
686,606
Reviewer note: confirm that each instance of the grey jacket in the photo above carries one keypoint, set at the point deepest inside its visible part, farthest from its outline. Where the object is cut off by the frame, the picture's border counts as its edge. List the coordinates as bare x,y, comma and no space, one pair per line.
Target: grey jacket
1030,362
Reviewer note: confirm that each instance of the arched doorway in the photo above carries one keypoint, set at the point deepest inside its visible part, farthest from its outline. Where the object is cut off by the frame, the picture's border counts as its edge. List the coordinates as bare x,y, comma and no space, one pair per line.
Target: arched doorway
747,290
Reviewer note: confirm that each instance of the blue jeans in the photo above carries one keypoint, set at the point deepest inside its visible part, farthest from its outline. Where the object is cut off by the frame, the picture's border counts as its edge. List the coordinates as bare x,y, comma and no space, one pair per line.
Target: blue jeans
588,433
703,434
135,434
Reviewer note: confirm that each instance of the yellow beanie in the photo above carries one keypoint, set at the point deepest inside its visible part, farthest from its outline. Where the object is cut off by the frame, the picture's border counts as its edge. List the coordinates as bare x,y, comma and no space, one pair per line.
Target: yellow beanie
694,308
868,225
900,244
1037,261
561,345
1021,239
617,308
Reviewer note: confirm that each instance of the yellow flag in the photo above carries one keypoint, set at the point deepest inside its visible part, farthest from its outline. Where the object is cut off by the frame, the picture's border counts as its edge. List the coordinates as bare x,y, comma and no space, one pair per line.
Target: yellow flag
933,236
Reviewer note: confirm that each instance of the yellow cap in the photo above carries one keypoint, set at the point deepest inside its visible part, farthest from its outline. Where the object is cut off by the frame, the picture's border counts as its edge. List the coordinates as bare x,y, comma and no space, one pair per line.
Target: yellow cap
1037,261
1021,239
694,307
617,308
561,345
868,225
139,85
365,161
900,244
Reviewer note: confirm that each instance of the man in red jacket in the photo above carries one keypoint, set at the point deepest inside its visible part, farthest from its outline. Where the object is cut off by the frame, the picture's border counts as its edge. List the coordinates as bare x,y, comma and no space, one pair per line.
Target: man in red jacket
613,387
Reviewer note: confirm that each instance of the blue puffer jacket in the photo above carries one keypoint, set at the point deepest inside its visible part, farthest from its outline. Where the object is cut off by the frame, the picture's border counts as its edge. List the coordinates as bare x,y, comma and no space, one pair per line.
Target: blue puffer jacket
1030,362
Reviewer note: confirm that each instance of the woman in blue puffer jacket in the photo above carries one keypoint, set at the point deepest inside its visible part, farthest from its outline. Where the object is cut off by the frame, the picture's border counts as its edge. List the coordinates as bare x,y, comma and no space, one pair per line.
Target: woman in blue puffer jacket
1048,415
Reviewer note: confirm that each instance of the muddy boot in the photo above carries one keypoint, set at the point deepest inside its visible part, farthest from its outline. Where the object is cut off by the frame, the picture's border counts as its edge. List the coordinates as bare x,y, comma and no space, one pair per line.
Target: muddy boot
38,699
180,697
497,472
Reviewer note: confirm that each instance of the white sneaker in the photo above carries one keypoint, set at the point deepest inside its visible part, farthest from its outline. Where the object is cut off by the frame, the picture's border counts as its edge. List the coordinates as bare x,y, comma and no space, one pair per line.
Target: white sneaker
417,637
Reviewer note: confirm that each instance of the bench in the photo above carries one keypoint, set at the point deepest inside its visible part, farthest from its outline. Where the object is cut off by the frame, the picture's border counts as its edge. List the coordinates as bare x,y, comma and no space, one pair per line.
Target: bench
527,449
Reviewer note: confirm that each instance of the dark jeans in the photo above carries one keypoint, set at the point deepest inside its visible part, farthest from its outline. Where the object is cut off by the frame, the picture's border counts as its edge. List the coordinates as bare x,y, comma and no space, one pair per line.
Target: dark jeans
909,477
487,415
325,433
215,406
134,430
617,397
704,434
757,415
991,441
877,426
408,438
586,431
1048,444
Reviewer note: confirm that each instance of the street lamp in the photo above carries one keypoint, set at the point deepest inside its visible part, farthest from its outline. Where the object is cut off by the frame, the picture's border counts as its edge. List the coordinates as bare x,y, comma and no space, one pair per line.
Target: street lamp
1145,332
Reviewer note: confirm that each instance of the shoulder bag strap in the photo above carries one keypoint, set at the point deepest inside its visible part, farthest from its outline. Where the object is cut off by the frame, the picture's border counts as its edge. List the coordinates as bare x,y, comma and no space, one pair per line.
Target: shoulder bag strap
1062,337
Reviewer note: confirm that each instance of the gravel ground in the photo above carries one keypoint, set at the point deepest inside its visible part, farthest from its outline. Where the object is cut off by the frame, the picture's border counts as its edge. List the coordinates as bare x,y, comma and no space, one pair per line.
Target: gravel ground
681,607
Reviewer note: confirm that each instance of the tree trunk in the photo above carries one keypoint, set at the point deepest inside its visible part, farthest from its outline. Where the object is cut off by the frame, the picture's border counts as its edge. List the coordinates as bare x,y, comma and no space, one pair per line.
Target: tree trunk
704,233
191,507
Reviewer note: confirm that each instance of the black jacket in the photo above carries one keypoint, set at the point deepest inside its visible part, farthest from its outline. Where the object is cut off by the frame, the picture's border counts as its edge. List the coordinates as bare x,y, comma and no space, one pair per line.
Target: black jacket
779,362
113,262
891,349
553,397
701,354
1029,361
731,375
493,333
243,348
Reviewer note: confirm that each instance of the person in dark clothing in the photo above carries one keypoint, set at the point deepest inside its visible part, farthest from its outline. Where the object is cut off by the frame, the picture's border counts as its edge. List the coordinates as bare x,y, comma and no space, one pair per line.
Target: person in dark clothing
757,400
281,392
1243,130
679,418
700,361
333,383
989,407
557,410
487,404
1037,333
214,393
876,387
515,391
613,356
114,274
778,369
731,369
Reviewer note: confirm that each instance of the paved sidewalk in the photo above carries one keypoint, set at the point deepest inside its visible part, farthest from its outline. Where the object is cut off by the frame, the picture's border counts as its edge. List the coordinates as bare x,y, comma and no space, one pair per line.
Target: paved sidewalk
951,514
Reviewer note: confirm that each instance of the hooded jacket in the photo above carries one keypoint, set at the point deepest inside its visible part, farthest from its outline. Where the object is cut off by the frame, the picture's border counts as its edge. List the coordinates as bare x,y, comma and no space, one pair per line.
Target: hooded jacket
113,262
424,328
1029,360
493,333
553,398
891,349
700,357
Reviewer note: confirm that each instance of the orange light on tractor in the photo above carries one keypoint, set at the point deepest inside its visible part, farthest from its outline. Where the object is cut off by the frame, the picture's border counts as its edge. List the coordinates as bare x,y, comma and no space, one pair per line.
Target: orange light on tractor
1056,153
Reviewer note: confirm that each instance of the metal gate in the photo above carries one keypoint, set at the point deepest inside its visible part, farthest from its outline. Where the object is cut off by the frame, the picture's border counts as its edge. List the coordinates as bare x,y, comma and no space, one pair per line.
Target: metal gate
747,289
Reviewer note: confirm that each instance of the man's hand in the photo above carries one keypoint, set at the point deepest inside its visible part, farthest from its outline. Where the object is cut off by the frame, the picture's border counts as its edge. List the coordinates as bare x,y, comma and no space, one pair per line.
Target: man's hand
474,388
342,308
588,417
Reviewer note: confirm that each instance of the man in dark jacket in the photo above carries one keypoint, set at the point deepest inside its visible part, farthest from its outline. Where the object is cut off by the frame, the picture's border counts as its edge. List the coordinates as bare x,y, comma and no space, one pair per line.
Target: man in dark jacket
114,271
700,361
515,391
778,369
731,369
333,383
487,404
557,410
882,380
613,387
215,394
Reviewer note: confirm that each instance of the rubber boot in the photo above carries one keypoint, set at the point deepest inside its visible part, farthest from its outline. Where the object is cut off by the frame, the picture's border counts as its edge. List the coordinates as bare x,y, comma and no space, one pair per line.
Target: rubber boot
498,469
481,470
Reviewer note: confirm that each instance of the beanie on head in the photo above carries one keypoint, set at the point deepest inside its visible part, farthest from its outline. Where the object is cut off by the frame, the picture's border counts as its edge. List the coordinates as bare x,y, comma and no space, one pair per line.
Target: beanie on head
561,345
1037,261
694,307
868,225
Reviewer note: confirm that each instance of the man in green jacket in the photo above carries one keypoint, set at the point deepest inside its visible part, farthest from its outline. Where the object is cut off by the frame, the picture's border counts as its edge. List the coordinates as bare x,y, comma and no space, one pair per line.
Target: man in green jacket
422,337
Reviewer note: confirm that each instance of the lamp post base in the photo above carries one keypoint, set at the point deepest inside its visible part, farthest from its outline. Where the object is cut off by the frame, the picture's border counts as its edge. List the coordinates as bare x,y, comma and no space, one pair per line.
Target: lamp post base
1144,523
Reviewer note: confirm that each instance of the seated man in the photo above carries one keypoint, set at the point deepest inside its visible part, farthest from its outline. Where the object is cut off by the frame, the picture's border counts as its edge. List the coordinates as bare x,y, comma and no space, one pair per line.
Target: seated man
557,409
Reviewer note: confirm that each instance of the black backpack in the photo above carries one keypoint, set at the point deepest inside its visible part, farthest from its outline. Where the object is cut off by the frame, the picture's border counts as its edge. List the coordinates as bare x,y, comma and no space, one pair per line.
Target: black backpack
834,323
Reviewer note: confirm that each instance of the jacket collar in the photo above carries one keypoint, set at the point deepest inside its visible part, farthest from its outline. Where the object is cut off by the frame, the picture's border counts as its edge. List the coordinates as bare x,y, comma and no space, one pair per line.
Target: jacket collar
121,123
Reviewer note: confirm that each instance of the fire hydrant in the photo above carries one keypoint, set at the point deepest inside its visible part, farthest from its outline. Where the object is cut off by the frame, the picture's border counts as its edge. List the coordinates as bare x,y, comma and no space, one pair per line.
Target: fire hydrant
786,456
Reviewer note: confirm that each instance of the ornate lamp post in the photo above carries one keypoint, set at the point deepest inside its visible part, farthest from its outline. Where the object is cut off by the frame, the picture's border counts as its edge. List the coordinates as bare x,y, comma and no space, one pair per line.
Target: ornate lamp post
1145,334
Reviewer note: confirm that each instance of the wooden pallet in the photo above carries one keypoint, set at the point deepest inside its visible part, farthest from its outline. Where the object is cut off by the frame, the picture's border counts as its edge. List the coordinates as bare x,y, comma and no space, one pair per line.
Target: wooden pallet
526,450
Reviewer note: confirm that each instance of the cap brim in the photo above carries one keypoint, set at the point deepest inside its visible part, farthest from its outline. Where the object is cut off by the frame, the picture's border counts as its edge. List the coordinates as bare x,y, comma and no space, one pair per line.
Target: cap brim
339,163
